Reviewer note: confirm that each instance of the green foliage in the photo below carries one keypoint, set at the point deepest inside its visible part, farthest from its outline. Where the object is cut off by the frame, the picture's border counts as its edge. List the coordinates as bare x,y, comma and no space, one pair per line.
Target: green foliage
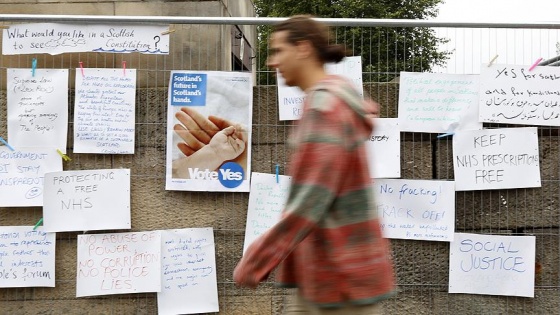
385,51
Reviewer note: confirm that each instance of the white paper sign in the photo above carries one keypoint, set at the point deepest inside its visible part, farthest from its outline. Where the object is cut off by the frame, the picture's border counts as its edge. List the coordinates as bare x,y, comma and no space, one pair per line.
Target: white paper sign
267,199
491,264
220,159
496,159
188,273
27,257
436,102
290,99
54,38
87,200
351,69
384,149
416,209
512,94
38,108
22,175
104,111
118,263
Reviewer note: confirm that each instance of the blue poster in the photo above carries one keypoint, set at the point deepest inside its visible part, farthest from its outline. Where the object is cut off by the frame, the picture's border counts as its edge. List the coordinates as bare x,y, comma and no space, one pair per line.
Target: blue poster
188,89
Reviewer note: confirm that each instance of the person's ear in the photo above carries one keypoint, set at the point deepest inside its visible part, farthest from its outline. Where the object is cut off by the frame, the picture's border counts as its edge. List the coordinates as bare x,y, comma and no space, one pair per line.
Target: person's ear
304,49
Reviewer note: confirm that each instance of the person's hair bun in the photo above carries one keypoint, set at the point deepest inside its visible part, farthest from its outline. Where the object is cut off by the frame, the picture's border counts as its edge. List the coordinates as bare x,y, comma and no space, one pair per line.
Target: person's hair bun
334,53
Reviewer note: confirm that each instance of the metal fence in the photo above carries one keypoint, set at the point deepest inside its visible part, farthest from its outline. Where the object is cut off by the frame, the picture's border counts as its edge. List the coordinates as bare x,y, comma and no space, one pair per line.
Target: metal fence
387,47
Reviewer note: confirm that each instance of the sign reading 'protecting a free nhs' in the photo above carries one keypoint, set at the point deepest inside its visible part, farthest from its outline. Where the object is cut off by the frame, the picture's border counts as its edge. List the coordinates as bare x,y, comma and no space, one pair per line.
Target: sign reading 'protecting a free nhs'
188,89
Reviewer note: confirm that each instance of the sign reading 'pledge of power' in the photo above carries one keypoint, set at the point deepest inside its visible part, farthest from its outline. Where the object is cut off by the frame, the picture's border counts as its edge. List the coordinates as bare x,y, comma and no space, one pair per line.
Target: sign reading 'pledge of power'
496,159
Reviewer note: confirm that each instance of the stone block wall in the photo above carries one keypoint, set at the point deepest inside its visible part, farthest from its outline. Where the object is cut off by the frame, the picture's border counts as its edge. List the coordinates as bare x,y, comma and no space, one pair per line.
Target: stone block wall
422,267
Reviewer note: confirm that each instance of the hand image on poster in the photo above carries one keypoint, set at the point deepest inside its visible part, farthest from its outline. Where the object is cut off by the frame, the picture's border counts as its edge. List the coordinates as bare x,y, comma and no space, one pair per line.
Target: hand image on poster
207,142
209,131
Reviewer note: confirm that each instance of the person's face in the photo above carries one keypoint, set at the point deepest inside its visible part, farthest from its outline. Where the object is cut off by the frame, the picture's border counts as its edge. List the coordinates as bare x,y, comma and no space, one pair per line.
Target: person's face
284,57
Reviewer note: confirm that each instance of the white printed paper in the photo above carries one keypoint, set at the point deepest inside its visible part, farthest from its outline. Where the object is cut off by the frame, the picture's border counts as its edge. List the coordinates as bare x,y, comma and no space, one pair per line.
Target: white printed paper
220,161
38,108
512,94
290,98
104,111
54,38
118,263
188,274
437,102
267,199
496,159
491,264
384,149
416,209
87,200
27,257
22,175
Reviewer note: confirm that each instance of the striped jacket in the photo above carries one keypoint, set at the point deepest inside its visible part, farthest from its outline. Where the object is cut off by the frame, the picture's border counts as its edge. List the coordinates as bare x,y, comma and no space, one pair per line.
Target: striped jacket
328,242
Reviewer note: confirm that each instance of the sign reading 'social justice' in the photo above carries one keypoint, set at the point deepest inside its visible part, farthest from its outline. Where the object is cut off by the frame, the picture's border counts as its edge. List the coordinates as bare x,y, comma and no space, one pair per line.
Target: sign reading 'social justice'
492,264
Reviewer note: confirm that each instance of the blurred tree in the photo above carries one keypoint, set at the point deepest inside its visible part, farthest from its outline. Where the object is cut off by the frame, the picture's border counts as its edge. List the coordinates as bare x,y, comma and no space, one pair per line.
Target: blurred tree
385,51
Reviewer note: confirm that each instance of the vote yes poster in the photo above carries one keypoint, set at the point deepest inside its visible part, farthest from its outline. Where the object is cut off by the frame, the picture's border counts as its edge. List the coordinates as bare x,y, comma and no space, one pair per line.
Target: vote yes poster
209,131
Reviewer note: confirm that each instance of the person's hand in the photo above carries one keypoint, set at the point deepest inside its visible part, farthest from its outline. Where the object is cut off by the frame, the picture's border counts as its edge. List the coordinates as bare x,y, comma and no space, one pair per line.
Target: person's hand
197,130
226,144
244,280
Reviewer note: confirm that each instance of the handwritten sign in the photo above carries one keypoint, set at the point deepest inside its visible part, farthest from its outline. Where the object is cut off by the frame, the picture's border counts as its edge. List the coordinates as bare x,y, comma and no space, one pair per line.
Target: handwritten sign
54,38
27,257
491,264
22,175
104,111
266,202
290,98
118,263
384,149
512,94
416,209
496,159
437,102
351,69
87,200
188,272
38,108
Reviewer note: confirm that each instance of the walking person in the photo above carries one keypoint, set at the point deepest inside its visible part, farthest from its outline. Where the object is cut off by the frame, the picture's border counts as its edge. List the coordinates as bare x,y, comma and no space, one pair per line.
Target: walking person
328,243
